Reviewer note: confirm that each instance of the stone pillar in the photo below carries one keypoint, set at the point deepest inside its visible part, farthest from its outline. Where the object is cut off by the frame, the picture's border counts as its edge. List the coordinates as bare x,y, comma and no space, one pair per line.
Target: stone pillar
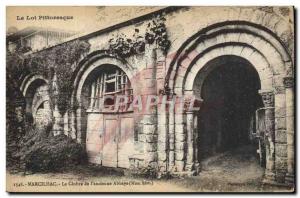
171,128
78,123
269,136
149,120
162,113
280,133
192,164
57,128
180,141
196,135
162,143
72,124
66,124
190,140
58,122
289,95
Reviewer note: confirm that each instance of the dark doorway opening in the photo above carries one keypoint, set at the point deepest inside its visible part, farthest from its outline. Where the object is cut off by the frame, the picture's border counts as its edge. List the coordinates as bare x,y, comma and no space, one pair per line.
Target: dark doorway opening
230,98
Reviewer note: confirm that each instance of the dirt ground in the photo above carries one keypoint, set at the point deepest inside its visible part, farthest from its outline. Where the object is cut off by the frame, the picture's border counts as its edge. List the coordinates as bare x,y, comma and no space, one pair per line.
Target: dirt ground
232,171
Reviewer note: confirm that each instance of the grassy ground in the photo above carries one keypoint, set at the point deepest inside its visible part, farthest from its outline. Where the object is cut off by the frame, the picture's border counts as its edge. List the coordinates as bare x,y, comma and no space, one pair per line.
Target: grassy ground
233,171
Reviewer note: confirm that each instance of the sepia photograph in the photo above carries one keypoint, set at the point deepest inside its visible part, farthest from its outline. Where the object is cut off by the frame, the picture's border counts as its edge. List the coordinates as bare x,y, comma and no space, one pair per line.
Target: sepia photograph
148,99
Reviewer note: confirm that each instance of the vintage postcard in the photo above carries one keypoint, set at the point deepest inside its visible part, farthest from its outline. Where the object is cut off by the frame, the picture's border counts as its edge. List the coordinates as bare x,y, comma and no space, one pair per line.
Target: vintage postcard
150,99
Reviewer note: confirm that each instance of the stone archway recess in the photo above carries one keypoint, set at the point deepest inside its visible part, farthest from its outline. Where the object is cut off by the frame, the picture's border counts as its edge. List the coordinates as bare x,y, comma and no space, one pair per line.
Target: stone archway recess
94,60
28,80
264,50
28,87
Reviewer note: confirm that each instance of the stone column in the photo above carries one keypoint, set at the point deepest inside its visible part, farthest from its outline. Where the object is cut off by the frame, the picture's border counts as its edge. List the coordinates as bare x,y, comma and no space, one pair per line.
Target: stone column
171,128
289,95
192,164
57,128
162,113
162,143
196,135
190,140
66,123
280,132
72,121
58,122
149,120
78,123
180,141
268,100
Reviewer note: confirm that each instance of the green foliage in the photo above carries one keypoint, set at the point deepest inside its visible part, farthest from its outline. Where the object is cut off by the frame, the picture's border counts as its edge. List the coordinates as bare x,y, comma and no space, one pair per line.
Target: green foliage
144,172
59,60
156,33
15,67
125,47
42,152
148,172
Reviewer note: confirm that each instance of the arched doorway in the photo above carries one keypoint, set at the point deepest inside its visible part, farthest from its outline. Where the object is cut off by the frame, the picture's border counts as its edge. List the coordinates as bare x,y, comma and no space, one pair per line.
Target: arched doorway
107,132
226,124
253,43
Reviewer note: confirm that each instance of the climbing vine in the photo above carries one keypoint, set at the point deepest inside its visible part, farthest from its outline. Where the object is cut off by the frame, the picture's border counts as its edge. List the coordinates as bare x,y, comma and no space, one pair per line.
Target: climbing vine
156,33
55,64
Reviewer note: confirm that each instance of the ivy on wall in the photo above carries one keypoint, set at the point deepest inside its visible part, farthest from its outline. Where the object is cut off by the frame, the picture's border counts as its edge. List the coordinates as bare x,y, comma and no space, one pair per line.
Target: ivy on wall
55,64
156,33
125,47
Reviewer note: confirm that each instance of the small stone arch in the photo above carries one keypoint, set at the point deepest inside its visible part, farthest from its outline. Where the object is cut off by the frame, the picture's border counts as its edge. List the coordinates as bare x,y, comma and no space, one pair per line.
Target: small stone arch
35,89
28,80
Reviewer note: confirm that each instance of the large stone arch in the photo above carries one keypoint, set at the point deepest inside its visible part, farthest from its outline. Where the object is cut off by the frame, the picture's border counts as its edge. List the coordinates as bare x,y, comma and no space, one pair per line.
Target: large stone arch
248,53
94,60
257,45
234,33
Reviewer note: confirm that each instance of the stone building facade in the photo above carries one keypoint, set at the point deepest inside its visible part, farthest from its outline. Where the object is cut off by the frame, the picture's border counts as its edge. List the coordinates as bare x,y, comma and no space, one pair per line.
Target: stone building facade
186,55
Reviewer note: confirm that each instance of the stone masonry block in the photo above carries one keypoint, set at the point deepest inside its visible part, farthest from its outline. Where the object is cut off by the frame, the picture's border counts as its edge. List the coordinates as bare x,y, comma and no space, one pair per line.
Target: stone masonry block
180,146
162,156
151,147
149,129
150,138
280,123
280,150
180,137
179,165
150,157
179,155
280,136
281,163
149,119
179,128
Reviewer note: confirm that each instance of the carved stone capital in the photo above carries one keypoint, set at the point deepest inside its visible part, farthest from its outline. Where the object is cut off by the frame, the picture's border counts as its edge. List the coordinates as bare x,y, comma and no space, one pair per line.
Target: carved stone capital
192,103
267,97
288,82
